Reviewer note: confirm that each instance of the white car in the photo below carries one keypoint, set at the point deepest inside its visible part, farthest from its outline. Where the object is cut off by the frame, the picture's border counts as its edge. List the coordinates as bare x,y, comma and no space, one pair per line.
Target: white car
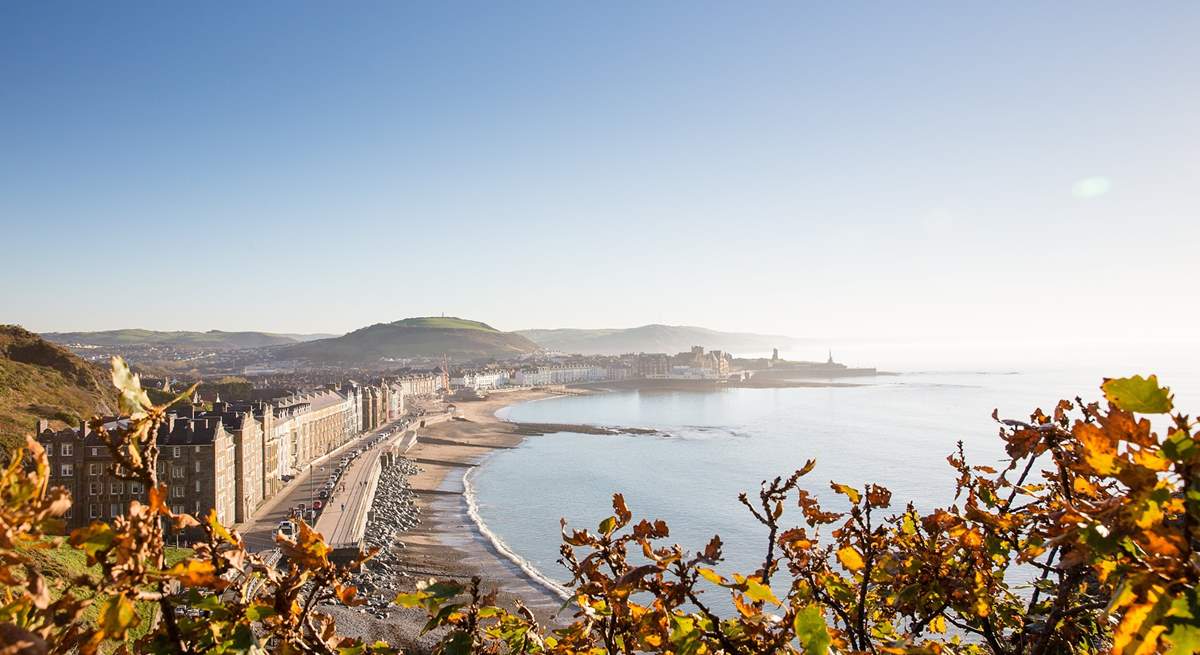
287,529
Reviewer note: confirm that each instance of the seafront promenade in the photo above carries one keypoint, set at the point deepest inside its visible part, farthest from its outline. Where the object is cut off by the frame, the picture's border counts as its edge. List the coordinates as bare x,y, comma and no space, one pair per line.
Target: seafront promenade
259,531
344,516
343,522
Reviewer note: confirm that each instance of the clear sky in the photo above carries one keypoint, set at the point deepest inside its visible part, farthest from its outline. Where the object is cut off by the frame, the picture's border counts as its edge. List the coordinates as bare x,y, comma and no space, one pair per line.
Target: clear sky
814,169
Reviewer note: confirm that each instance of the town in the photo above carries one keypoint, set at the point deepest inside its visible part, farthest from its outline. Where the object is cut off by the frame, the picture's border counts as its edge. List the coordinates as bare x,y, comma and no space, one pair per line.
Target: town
236,452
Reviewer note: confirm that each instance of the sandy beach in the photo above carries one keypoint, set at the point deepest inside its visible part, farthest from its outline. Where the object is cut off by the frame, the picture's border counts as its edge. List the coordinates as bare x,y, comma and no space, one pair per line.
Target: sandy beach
447,544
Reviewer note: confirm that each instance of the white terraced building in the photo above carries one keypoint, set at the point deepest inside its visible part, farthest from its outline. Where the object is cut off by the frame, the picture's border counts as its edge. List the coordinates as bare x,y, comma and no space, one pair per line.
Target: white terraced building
564,374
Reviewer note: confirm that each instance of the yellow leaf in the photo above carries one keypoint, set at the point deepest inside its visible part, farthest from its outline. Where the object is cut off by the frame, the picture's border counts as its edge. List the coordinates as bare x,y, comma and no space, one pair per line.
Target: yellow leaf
847,490
757,591
711,575
938,625
196,573
117,616
850,558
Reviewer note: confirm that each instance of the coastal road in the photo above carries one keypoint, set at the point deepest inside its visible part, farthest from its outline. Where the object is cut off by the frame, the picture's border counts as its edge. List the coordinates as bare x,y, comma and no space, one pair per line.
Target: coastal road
259,531
344,518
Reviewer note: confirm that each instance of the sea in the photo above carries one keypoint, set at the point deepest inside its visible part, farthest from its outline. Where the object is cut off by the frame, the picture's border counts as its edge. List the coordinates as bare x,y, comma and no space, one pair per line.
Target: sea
894,430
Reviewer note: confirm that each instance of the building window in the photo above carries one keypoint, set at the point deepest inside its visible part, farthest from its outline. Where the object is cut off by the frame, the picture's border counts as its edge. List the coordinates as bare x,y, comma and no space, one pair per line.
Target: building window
195,449
197,486
114,510
93,511
178,509
66,449
67,470
177,471
93,469
95,452
174,451
95,489
116,488
197,466
197,507
177,492
135,487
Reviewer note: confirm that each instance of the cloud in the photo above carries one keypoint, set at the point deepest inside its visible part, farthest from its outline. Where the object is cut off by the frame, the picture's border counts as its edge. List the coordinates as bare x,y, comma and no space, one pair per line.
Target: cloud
1091,187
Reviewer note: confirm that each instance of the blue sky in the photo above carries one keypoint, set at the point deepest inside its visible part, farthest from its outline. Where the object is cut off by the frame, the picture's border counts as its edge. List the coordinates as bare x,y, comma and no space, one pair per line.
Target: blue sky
825,170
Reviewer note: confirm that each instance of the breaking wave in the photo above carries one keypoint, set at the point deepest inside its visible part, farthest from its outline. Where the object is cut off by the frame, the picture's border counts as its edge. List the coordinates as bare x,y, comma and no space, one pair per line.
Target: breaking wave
525,565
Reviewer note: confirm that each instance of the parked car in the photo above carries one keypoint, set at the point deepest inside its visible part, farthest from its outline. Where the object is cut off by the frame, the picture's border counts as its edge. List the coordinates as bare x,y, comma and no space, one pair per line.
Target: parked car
287,529
318,505
310,516
324,493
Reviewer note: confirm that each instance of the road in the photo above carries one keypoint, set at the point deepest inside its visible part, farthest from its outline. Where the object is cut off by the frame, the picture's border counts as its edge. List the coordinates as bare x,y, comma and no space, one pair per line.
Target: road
344,519
259,532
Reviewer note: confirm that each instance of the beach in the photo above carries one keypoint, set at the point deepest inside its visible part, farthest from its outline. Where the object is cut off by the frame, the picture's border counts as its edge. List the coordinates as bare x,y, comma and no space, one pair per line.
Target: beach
447,544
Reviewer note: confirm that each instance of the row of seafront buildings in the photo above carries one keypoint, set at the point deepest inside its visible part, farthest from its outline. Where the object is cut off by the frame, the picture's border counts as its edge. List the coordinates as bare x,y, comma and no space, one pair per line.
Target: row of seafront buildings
696,364
231,456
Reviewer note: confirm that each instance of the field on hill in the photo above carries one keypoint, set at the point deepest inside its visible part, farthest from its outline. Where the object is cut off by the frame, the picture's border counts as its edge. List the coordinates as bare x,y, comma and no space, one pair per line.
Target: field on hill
214,339
426,337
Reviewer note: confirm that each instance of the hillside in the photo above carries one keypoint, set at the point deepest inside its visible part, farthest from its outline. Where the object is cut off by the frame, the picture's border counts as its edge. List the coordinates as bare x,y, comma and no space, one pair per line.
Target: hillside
39,379
213,339
653,339
458,338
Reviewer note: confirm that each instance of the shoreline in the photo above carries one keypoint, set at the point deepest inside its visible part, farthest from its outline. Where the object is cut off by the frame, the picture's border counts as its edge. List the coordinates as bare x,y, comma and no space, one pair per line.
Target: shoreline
447,542
450,541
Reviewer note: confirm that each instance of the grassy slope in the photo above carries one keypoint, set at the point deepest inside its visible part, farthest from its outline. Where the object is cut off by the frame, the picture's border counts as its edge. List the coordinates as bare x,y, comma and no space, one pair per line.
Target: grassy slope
415,337
66,563
41,380
445,323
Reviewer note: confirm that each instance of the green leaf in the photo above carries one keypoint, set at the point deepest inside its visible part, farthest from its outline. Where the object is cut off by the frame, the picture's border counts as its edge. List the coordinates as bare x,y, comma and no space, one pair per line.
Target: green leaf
1138,394
259,611
1179,446
410,600
608,525
809,625
132,399
455,643
684,637
1183,632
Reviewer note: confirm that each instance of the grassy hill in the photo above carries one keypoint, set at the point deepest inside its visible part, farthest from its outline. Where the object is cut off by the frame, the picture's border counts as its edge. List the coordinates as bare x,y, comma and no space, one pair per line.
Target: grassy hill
458,338
653,339
213,339
39,379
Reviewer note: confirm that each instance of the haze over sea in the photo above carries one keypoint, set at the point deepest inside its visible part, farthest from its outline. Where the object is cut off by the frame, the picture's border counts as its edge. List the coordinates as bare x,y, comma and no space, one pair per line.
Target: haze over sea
893,430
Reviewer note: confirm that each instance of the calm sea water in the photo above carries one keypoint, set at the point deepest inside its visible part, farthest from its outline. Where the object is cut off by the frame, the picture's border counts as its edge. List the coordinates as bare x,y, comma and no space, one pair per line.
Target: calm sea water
896,431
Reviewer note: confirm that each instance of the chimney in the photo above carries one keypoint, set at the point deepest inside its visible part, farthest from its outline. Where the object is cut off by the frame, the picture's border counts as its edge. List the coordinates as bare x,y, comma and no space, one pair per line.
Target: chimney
171,422
42,425
84,430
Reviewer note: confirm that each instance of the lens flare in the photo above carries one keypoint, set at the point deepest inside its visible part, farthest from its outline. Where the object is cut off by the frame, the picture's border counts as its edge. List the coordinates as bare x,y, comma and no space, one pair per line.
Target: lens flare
1091,187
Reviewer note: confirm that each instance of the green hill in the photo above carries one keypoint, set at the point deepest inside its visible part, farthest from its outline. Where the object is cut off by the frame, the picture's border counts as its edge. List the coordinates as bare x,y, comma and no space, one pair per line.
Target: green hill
213,339
39,379
460,339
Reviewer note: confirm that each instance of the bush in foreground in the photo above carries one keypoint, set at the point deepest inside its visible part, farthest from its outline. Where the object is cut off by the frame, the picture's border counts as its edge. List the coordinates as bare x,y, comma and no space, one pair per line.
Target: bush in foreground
1103,509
